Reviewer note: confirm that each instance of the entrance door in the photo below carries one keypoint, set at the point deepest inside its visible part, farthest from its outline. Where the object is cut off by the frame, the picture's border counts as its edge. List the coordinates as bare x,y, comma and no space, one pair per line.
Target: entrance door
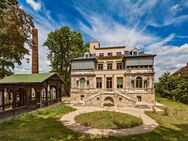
109,83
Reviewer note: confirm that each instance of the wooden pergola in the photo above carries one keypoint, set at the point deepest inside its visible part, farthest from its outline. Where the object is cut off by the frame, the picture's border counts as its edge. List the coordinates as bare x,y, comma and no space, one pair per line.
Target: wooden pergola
21,92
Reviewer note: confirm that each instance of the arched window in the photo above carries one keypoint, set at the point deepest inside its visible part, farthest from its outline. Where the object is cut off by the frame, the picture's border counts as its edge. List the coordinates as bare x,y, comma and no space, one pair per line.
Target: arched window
82,83
138,82
49,92
33,94
8,97
53,93
43,94
21,97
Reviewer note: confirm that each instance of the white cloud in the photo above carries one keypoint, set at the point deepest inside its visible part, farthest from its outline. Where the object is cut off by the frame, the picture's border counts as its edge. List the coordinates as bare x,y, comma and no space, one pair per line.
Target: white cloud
113,33
35,5
45,25
169,58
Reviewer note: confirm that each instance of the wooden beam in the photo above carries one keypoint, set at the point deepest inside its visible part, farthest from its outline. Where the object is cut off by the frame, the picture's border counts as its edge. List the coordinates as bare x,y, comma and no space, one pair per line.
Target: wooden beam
3,98
46,89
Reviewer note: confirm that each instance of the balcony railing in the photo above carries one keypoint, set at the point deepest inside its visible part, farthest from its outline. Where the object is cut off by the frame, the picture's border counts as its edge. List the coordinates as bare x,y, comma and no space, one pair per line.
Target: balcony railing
125,90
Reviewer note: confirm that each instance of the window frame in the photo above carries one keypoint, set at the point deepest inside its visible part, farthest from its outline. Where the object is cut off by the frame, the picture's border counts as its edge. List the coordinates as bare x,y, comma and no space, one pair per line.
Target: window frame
101,54
110,54
99,83
109,66
118,53
139,80
119,84
100,66
118,67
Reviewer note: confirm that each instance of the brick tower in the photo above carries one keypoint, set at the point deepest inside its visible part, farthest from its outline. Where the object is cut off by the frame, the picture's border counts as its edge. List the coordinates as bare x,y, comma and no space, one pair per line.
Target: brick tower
35,62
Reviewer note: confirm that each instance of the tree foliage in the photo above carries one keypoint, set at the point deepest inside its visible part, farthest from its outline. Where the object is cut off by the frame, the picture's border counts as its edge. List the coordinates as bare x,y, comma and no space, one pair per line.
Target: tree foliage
64,45
173,87
15,30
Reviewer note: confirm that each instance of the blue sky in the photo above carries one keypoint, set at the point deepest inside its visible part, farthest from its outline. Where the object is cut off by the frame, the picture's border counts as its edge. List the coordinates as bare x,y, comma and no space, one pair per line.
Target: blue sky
155,26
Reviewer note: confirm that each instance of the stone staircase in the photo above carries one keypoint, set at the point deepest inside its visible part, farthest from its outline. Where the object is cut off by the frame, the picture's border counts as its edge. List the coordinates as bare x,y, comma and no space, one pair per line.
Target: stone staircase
115,92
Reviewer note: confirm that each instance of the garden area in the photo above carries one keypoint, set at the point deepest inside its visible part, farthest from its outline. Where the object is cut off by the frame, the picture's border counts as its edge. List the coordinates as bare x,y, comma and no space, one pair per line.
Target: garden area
108,120
44,125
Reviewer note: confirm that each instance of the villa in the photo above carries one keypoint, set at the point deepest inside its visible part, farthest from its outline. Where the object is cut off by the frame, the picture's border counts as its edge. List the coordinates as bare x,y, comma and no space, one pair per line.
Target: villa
113,76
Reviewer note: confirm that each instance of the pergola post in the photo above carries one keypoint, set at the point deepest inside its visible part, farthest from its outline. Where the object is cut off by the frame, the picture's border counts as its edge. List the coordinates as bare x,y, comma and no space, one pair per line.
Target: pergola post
3,98
60,90
14,101
46,90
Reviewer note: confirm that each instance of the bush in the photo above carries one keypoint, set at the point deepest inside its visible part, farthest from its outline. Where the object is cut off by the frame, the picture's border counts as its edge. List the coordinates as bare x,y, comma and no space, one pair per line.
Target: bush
165,111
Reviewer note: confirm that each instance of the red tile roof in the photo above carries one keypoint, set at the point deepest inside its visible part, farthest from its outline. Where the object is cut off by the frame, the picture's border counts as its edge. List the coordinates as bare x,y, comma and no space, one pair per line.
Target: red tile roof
181,71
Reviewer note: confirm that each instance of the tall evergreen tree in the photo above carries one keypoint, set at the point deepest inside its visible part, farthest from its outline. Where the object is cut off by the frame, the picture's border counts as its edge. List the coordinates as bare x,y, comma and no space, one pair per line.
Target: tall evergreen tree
64,45
15,30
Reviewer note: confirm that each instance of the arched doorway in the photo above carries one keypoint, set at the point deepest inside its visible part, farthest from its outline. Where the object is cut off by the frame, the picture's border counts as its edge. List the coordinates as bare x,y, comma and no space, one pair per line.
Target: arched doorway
21,97
108,101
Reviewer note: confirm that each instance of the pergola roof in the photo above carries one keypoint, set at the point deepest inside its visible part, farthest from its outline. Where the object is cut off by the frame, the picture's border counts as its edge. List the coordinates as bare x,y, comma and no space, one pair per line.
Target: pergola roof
27,78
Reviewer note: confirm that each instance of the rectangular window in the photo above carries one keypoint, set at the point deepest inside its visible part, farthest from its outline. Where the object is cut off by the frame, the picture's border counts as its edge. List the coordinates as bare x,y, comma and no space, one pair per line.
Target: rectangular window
100,66
77,84
132,84
101,54
118,53
110,54
82,97
119,82
87,83
109,66
139,98
99,82
119,66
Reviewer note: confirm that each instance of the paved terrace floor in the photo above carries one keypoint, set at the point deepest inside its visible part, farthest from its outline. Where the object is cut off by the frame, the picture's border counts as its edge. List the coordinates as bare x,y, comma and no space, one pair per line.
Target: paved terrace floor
148,123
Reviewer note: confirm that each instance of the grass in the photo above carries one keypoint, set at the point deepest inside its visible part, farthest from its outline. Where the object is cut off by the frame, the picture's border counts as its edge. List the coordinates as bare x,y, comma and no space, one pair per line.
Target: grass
44,126
108,119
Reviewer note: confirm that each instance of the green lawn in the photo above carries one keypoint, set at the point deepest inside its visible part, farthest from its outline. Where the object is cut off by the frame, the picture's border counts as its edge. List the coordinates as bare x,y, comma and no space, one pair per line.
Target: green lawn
44,126
108,119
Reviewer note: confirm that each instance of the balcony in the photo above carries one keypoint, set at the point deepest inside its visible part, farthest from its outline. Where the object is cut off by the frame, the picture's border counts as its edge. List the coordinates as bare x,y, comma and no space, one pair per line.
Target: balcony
111,90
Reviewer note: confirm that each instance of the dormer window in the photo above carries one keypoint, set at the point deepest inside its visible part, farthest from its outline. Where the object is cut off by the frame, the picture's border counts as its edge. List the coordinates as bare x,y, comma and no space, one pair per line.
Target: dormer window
134,53
86,55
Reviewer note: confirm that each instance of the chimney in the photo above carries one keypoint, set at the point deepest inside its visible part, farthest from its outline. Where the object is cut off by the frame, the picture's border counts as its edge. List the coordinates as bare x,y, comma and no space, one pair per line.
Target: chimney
35,62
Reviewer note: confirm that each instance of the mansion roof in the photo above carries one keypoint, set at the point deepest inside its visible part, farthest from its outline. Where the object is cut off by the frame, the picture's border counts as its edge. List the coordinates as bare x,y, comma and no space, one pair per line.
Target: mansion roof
127,54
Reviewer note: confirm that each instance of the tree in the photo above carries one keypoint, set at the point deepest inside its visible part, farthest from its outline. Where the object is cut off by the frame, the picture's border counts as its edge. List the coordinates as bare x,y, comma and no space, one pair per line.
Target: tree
64,45
173,87
15,30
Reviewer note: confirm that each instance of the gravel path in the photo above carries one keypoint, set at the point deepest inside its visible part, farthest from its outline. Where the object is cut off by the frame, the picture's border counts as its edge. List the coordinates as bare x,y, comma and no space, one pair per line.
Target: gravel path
148,123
